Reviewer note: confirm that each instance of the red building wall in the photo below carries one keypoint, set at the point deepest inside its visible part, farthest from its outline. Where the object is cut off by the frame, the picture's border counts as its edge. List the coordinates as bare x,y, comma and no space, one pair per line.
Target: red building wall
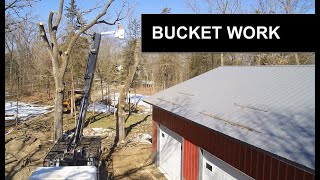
190,160
154,138
256,163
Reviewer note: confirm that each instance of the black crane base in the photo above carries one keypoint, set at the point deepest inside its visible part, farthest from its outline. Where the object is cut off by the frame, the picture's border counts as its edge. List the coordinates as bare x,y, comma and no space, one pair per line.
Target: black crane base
86,153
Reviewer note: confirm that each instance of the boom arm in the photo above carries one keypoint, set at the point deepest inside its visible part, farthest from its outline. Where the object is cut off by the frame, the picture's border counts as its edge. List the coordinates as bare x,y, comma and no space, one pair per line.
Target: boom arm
91,65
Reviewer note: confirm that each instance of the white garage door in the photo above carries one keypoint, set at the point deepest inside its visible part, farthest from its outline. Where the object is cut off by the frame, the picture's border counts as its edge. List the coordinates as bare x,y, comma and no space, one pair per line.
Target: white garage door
170,153
214,168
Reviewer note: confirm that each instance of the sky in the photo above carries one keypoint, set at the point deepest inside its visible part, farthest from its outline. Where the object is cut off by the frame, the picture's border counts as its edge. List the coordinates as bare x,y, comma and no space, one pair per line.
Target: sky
141,6
43,7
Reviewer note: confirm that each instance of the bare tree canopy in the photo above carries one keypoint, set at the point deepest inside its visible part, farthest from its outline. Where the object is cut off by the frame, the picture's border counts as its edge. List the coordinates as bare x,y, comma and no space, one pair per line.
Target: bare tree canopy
60,59
17,11
223,6
194,5
284,6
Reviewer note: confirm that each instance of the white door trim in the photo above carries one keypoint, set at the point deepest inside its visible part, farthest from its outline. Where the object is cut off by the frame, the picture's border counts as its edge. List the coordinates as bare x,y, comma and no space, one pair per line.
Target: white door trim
219,165
175,140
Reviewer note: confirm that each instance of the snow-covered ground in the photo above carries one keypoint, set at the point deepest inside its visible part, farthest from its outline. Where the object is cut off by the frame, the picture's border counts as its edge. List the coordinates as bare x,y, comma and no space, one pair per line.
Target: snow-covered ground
25,110
139,102
99,107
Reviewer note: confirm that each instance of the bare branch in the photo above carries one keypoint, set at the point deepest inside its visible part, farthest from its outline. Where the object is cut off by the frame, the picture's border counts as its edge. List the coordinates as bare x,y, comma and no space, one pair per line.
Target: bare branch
45,38
50,21
117,19
11,5
59,15
193,5
223,6
18,4
90,10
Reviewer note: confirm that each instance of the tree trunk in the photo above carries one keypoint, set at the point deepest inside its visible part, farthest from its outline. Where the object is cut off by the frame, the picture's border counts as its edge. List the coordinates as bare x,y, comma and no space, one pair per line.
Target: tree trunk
59,69
222,59
129,102
297,58
72,98
17,103
108,97
121,115
114,103
101,86
212,65
58,115
135,98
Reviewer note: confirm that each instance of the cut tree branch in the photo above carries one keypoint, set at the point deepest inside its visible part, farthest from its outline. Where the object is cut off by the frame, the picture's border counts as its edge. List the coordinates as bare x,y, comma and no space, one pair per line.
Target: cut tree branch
45,38
50,21
59,15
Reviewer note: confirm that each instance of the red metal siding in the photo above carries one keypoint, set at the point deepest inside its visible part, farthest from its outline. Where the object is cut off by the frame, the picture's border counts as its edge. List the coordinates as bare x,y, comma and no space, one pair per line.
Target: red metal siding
274,168
190,160
260,166
254,160
282,170
154,138
251,161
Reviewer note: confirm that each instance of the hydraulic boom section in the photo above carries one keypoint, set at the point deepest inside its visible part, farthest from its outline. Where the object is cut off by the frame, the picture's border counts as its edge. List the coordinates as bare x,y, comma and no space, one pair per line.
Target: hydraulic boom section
91,65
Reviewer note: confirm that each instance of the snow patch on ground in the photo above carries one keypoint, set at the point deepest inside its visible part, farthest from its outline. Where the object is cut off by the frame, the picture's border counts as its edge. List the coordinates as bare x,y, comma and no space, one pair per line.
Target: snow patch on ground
143,138
139,102
102,108
98,132
25,110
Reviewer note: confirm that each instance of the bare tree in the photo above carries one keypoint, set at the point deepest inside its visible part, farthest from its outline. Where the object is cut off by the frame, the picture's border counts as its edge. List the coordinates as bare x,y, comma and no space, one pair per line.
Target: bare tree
121,134
59,59
267,7
284,6
296,6
223,6
17,11
194,5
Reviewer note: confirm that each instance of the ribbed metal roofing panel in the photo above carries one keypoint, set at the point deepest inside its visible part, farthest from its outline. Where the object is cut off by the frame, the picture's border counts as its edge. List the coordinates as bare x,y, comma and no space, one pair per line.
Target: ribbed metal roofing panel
270,107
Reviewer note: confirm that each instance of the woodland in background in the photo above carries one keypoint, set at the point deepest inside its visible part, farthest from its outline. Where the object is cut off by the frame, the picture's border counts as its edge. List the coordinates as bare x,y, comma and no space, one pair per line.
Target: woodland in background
28,66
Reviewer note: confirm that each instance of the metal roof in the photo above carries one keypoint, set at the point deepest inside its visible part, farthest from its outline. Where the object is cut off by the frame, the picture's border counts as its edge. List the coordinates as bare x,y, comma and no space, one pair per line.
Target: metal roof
269,107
